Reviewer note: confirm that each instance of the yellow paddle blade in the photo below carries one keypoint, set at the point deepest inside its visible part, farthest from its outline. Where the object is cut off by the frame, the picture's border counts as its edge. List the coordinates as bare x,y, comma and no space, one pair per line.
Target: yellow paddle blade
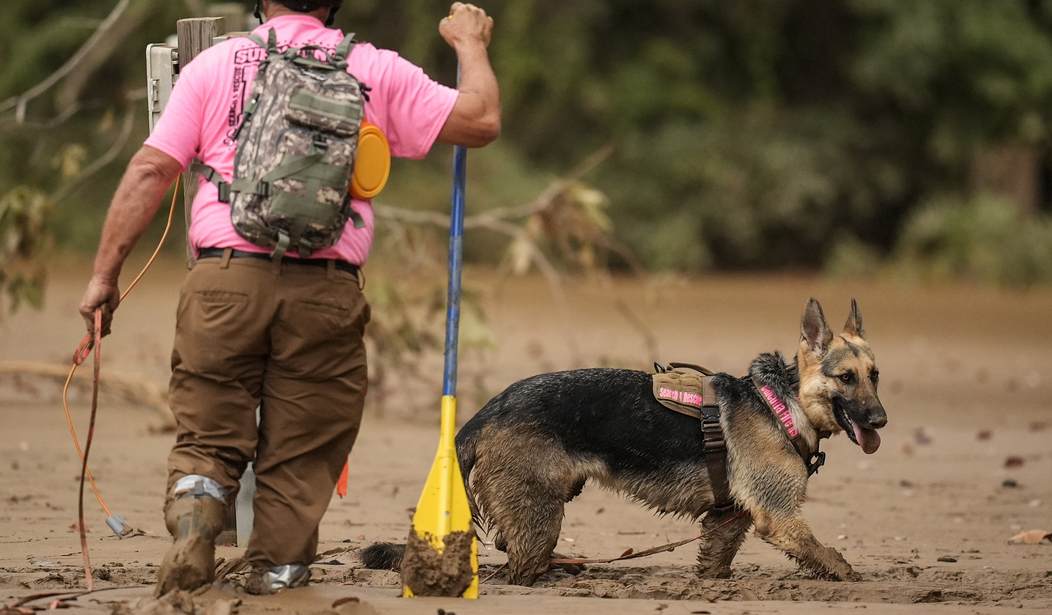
443,507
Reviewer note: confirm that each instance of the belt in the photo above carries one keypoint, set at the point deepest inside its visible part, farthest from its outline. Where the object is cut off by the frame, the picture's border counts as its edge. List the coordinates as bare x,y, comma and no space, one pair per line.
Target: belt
313,262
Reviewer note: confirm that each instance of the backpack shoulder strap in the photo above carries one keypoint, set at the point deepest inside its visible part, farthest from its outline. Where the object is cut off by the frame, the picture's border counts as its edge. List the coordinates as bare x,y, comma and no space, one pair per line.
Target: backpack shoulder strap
213,177
343,50
272,40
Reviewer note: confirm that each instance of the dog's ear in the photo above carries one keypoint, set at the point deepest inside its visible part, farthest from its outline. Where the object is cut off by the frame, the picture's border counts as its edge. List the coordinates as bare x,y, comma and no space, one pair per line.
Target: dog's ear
854,321
813,328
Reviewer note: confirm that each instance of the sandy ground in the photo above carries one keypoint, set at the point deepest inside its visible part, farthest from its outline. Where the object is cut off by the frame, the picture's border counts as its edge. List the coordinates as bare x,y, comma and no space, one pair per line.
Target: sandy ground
967,374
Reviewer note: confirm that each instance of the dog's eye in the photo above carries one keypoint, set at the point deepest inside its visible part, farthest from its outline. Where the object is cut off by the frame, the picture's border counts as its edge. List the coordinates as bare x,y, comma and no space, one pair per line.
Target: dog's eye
847,377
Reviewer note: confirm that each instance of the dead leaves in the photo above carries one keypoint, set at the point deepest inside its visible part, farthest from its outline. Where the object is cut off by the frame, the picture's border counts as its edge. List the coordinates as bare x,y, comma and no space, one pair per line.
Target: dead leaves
1031,537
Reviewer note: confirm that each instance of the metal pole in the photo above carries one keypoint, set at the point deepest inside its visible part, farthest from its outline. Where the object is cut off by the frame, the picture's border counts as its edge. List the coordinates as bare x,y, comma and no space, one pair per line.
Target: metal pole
456,244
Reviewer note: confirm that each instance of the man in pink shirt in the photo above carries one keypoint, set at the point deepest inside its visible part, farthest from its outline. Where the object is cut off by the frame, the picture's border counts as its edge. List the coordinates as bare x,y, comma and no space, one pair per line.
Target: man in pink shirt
283,335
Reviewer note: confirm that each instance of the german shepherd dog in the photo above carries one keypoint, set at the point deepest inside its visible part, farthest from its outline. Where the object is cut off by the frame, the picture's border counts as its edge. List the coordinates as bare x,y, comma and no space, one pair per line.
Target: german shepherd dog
531,449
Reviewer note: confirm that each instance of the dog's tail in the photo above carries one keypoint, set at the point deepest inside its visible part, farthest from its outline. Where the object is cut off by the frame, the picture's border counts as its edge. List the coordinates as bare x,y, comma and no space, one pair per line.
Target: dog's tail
387,555
383,556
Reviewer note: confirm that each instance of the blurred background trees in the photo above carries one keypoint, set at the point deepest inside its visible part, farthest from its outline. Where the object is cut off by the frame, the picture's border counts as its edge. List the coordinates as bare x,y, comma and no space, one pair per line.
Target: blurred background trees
856,136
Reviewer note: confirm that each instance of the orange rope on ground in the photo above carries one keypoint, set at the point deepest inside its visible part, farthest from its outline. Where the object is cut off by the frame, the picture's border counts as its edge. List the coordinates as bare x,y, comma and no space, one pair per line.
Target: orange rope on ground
79,356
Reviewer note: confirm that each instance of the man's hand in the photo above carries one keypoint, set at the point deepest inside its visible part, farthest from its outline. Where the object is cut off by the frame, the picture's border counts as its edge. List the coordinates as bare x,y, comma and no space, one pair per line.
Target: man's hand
101,293
466,24
475,119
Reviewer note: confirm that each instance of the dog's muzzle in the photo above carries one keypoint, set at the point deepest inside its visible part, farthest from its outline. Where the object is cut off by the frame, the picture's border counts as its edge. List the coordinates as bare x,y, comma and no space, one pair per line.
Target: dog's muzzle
861,425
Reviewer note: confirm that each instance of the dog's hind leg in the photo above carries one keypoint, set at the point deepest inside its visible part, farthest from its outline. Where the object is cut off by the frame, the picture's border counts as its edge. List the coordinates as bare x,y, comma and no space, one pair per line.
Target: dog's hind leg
528,516
794,538
522,483
721,537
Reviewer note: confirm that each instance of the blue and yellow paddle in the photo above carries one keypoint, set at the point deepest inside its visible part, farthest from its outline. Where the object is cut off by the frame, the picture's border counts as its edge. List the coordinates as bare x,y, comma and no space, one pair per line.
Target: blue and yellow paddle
443,512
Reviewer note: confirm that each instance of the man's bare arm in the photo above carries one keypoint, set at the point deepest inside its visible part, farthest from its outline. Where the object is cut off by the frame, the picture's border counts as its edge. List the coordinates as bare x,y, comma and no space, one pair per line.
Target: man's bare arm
148,176
475,119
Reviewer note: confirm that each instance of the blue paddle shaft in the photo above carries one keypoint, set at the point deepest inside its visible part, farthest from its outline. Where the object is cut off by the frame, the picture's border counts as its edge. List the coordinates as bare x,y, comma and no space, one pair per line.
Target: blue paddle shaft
456,245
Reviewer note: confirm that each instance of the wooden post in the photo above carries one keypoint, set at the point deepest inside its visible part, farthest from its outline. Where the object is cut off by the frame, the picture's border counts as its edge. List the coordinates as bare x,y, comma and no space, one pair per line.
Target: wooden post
195,35
235,13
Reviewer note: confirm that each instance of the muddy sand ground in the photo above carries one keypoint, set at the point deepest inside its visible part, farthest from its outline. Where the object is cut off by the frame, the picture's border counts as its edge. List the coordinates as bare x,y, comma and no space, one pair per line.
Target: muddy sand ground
967,378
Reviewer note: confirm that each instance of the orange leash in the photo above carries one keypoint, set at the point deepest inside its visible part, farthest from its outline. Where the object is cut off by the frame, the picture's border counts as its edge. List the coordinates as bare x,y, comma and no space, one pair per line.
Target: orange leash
97,365
84,349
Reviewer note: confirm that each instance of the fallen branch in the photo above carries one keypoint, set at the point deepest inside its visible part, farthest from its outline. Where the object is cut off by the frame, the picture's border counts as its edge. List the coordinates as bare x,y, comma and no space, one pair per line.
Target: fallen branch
547,196
18,103
630,554
633,554
102,161
131,390
496,219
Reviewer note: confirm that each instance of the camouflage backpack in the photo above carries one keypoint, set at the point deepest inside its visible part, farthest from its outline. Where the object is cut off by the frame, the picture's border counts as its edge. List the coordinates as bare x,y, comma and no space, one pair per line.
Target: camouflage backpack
295,150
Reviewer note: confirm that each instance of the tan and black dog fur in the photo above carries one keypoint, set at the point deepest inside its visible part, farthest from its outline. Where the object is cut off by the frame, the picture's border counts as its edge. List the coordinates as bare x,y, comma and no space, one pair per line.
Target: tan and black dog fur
532,448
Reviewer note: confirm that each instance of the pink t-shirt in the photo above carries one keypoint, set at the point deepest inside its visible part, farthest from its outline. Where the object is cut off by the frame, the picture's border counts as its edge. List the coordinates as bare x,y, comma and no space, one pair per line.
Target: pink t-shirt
208,99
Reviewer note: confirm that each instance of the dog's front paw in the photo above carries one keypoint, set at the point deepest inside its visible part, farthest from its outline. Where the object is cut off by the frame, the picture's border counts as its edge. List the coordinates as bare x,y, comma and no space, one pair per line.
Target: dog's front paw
837,568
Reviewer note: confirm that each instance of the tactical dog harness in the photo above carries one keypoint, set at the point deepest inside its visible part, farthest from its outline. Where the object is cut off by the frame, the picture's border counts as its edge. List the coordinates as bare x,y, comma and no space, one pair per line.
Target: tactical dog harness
688,389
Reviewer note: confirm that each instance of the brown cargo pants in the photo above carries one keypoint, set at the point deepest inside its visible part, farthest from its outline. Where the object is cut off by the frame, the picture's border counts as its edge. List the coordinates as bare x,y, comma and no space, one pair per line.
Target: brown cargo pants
286,338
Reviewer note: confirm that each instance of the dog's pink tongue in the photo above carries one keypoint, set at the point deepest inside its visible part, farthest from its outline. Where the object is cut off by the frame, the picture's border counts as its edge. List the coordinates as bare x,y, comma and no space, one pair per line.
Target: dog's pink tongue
868,439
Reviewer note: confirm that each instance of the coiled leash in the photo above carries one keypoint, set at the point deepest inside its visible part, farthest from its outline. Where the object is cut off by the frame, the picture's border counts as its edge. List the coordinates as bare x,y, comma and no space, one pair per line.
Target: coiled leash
90,342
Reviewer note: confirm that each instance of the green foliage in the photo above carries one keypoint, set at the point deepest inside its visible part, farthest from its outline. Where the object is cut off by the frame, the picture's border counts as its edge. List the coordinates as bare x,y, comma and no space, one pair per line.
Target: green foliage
983,238
748,134
23,218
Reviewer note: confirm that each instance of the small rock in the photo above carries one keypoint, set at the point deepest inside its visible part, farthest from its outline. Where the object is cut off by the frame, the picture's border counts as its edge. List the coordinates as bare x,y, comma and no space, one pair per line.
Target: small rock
1014,461
984,435
1010,483
947,558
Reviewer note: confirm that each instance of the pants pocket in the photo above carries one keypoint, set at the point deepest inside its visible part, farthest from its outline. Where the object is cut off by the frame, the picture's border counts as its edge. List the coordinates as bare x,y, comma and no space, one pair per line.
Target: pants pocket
218,310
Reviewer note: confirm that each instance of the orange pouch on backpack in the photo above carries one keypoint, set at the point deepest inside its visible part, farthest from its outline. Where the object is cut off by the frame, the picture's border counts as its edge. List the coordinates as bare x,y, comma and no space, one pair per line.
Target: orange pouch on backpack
372,163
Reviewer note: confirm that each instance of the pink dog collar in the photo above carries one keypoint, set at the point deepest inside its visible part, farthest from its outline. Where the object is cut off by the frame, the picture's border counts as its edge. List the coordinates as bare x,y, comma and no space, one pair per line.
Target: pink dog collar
780,410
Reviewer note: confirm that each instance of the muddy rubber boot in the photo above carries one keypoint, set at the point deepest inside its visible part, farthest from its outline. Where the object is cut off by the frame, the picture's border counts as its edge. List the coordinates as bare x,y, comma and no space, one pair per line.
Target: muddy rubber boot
194,521
264,581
